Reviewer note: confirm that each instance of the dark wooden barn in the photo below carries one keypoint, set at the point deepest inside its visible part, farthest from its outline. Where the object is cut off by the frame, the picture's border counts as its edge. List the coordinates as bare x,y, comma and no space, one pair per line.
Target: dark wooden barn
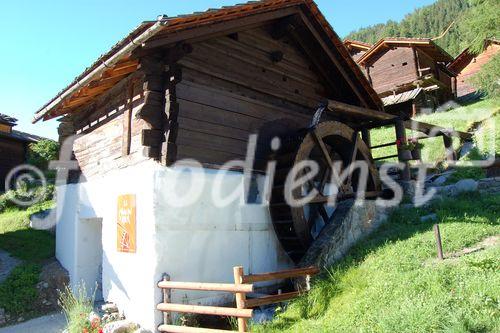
467,64
225,74
356,48
396,66
13,147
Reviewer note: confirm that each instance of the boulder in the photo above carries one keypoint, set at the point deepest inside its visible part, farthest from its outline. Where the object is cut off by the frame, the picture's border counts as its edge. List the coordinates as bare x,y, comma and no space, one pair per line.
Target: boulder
466,185
44,220
109,308
122,326
350,224
428,218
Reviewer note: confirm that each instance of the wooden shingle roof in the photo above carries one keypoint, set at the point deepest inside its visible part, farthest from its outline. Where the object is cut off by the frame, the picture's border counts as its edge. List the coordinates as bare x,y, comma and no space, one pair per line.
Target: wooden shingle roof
197,25
426,44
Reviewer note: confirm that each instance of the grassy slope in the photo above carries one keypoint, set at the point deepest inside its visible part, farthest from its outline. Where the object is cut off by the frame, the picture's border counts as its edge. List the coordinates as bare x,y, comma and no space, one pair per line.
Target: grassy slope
33,247
460,119
392,283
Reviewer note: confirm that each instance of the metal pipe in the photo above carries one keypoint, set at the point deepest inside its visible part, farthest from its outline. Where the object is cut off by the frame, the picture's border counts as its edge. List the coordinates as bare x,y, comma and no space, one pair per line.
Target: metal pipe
131,46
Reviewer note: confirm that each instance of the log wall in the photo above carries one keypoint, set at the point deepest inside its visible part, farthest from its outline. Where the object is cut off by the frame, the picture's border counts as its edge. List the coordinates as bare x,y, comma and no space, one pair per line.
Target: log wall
103,127
231,87
12,154
392,68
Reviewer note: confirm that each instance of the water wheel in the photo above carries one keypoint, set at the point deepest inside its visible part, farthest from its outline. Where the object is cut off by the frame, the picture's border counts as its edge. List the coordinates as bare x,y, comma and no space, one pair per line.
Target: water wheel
325,143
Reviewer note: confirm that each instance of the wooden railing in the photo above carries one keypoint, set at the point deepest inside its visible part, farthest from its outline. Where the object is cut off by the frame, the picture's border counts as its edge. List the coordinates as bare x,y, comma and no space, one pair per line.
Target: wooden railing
243,284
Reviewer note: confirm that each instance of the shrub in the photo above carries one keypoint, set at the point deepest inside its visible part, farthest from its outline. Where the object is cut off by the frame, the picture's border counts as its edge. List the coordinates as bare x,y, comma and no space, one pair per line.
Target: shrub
78,310
26,194
42,152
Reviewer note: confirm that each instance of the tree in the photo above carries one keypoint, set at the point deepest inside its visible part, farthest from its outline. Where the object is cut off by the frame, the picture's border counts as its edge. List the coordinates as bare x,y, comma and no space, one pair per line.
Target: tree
479,23
42,152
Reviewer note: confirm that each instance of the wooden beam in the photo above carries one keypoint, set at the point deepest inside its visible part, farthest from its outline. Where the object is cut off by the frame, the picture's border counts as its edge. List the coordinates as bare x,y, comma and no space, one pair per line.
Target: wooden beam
334,59
271,299
232,288
218,29
186,329
127,121
205,310
357,111
287,274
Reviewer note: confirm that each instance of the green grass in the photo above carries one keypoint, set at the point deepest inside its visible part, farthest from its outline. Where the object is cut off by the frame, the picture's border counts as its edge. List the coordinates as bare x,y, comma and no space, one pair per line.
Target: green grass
18,292
392,282
461,119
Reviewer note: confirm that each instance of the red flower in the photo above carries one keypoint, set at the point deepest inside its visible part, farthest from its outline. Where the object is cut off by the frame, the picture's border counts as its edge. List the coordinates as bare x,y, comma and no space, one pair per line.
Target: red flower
100,330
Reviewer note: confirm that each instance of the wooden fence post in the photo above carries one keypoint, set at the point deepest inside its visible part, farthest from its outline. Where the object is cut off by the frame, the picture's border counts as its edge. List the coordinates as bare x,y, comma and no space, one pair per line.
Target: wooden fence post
437,234
240,297
166,299
401,135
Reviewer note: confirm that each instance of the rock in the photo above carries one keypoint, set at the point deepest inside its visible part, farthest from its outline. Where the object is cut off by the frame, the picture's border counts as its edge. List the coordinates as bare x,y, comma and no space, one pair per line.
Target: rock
122,326
350,224
440,180
3,318
20,319
7,264
261,316
466,185
109,308
44,220
142,330
428,218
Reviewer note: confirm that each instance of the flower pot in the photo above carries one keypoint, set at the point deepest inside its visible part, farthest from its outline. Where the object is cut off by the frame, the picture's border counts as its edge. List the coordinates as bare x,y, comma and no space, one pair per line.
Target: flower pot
405,155
416,154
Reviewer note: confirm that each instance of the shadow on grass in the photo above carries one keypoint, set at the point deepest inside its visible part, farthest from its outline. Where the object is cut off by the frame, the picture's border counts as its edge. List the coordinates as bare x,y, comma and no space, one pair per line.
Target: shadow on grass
33,246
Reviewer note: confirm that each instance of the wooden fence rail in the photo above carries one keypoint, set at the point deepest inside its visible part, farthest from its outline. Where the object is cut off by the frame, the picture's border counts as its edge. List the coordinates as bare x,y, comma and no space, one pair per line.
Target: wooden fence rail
243,284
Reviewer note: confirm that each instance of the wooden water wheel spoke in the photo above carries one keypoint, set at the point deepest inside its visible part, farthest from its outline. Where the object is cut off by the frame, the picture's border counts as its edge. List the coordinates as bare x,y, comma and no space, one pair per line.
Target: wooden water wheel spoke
330,142
324,150
353,159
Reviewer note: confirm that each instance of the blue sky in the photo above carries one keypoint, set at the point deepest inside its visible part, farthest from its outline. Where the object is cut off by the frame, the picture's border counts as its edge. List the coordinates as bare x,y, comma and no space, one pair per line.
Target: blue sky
45,44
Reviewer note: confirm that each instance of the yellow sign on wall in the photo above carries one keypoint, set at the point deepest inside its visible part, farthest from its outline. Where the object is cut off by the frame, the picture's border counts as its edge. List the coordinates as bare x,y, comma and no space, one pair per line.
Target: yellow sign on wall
126,233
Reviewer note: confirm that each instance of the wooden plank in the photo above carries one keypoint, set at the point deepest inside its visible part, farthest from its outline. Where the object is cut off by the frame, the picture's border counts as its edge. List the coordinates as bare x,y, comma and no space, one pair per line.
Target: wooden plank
287,274
241,288
186,329
205,310
127,122
358,111
271,299
435,129
218,29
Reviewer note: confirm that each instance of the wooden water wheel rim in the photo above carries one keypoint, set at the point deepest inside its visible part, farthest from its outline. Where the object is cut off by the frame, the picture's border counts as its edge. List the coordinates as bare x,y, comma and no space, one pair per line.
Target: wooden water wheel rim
333,141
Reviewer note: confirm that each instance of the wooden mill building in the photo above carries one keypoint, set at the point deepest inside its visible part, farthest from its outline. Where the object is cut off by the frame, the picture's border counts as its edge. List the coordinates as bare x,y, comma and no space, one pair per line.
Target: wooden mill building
408,73
189,87
13,146
466,65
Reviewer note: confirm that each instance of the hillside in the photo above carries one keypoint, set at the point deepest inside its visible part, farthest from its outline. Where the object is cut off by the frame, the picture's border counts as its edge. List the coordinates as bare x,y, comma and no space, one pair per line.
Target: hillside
392,282
474,21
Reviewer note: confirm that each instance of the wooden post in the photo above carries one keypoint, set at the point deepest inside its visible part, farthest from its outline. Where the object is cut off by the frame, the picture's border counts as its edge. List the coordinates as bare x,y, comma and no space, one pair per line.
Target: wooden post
401,135
240,297
365,133
166,300
448,148
437,233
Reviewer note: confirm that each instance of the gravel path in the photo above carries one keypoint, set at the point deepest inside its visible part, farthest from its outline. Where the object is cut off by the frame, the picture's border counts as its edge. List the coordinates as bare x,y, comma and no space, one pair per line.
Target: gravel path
7,264
54,323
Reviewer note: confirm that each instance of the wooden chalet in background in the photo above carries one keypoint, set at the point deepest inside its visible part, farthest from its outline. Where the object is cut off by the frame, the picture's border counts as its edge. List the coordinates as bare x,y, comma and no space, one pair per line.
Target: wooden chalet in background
467,65
356,48
13,147
408,74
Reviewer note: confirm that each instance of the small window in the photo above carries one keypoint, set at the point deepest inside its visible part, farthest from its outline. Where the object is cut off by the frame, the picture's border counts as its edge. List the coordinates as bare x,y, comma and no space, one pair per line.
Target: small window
405,63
